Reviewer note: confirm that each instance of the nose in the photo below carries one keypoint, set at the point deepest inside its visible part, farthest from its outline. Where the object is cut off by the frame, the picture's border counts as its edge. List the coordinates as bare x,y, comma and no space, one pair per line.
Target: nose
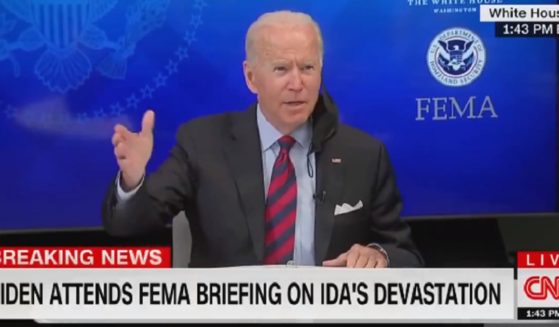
295,81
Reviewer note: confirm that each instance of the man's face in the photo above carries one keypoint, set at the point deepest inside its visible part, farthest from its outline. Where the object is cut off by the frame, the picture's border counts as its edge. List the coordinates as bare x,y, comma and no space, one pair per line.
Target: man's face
285,74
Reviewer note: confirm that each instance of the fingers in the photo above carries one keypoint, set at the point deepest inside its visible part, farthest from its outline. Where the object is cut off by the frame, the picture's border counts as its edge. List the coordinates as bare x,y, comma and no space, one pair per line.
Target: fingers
365,260
340,261
378,260
120,151
148,121
121,129
133,150
362,261
381,262
371,262
120,135
359,256
352,258
117,138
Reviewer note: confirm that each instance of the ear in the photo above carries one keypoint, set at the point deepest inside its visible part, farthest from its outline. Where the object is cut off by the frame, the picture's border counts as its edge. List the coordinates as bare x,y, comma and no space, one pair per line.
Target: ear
249,77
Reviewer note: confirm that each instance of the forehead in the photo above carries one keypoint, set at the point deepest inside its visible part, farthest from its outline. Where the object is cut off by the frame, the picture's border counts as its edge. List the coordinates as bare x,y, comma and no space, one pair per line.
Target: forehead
277,42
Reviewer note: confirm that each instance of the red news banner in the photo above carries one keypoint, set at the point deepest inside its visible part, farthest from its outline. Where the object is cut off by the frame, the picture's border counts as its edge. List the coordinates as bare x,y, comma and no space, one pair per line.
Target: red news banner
538,285
85,257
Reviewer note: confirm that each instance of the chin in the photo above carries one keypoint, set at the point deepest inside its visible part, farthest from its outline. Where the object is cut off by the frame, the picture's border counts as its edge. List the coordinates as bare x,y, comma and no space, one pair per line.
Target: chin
297,120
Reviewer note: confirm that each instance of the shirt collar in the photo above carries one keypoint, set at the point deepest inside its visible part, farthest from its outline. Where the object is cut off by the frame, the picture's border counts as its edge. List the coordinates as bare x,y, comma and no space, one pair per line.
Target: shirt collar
269,134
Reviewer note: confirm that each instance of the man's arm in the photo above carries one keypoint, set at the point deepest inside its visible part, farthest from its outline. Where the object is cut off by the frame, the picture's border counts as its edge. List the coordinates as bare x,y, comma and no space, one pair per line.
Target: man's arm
121,195
387,228
157,198
389,243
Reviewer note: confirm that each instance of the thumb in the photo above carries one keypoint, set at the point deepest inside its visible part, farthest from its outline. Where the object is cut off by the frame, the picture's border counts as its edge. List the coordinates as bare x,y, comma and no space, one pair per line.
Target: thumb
148,121
340,261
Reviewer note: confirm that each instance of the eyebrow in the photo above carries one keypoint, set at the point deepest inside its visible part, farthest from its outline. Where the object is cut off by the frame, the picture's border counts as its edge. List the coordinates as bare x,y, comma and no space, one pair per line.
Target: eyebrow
289,62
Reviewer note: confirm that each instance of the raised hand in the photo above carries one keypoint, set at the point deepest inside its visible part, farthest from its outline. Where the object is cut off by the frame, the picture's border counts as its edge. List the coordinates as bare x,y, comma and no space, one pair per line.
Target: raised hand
133,151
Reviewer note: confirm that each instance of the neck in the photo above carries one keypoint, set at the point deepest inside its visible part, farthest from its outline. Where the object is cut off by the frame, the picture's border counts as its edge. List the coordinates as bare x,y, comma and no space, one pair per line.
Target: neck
282,128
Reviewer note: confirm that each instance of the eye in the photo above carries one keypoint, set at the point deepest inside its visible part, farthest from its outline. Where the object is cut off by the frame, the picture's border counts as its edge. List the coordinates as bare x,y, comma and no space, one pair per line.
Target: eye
280,69
308,68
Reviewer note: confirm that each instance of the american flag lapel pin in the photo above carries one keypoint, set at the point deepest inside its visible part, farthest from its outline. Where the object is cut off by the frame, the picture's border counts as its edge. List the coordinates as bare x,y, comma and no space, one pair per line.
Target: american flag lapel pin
336,160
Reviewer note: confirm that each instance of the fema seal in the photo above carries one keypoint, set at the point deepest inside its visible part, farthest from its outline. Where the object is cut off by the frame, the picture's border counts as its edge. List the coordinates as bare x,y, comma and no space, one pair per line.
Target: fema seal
456,57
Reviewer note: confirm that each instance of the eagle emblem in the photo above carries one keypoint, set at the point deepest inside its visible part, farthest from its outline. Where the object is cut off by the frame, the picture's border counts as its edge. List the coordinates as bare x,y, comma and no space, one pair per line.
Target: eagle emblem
63,29
456,57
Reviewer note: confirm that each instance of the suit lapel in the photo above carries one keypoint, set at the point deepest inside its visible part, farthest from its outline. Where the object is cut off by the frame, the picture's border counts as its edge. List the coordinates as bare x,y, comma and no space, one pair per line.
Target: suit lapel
244,157
329,179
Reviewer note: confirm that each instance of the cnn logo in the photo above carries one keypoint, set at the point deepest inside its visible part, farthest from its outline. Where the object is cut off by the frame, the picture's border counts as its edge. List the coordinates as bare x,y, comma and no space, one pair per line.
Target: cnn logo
540,287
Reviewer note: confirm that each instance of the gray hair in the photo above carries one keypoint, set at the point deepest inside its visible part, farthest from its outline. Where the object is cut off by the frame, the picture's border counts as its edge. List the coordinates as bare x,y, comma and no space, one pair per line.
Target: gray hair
280,18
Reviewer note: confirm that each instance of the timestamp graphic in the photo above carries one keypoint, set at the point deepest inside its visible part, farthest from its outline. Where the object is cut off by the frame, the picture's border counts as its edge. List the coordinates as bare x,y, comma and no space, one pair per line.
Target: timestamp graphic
538,313
527,29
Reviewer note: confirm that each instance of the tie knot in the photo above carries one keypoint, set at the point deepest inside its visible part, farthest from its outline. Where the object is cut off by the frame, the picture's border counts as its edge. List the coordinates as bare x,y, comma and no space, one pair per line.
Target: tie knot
286,142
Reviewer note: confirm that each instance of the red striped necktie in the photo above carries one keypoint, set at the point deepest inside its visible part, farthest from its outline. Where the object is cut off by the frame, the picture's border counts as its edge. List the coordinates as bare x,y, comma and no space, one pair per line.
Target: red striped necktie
281,207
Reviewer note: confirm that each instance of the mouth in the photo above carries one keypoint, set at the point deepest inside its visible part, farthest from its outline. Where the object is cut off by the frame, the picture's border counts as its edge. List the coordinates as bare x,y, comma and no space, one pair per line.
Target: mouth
295,104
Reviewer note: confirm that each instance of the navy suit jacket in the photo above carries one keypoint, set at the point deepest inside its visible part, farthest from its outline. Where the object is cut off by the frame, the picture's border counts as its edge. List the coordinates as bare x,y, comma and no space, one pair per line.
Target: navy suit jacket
214,173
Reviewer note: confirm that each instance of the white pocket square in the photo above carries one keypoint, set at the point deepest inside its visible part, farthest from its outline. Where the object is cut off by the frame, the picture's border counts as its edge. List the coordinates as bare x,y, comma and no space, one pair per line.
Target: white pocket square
345,208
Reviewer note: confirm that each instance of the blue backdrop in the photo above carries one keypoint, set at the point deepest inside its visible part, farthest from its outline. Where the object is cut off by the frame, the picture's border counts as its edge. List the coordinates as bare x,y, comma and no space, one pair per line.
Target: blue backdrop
469,119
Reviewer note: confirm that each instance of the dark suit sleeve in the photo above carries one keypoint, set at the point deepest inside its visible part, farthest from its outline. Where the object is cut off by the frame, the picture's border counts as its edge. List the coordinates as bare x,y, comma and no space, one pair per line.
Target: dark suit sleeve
387,228
162,195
